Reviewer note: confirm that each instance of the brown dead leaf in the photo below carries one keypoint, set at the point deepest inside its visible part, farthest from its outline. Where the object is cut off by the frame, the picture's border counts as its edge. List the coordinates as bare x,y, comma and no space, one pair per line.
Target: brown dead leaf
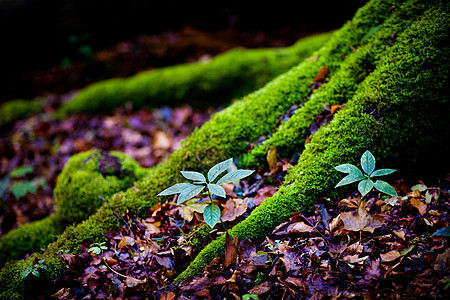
187,210
126,241
161,141
361,220
264,193
323,71
349,203
233,209
417,203
151,227
167,296
231,253
134,282
272,159
442,263
334,108
301,227
295,281
335,223
400,233
390,256
260,289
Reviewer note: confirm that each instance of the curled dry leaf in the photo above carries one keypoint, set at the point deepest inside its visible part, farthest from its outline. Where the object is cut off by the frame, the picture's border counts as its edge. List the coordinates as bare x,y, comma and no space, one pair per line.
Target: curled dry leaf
400,233
272,159
361,220
161,141
349,203
300,227
417,203
264,193
233,209
390,256
126,241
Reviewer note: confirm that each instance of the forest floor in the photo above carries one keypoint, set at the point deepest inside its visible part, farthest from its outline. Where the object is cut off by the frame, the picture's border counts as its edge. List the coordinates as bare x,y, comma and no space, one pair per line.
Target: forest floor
375,247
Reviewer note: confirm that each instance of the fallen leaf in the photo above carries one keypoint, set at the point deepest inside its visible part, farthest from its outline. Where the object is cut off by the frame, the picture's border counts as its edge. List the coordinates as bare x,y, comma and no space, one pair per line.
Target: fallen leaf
231,253
442,263
301,227
272,159
260,289
349,203
390,256
323,71
400,233
131,281
264,193
233,209
161,141
335,223
194,205
361,220
167,296
421,207
126,241
334,108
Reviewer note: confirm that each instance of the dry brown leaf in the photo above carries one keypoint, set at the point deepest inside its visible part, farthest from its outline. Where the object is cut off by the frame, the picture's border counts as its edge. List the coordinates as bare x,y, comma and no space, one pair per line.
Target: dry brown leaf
390,256
421,207
295,281
349,203
272,159
301,227
335,223
233,209
167,296
334,108
133,281
126,241
442,264
400,233
231,253
260,289
264,193
361,220
161,141
323,71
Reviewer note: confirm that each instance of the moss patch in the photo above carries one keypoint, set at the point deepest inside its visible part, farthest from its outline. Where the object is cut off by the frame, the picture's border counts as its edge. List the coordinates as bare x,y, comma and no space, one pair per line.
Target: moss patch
227,76
14,110
85,177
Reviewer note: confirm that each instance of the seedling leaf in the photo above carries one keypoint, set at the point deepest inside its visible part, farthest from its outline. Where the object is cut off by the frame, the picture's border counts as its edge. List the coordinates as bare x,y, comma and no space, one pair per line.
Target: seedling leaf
382,172
385,187
368,162
234,176
349,169
211,214
217,190
175,189
219,169
21,171
365,186
189,192
350,179
443,232
20,189
195,176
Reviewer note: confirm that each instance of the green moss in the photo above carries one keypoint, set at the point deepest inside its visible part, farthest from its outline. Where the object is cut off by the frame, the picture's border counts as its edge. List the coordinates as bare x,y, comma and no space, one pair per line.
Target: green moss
227,76
407,93
382,111
14,110
83,179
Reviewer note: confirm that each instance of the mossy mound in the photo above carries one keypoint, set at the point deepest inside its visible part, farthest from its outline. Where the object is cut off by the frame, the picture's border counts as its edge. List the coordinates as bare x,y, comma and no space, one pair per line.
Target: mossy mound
227,76
14,110
85,177
398,111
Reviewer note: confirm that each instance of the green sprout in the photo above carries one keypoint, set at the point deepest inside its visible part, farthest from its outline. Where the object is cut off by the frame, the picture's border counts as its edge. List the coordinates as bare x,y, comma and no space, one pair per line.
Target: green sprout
34,269
186,191
97,248
366,183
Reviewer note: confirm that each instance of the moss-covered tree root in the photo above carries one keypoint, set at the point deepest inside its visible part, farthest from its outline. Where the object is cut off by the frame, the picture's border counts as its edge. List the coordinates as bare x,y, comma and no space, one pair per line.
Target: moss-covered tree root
84,177
227,76
230,132
400,113
14,110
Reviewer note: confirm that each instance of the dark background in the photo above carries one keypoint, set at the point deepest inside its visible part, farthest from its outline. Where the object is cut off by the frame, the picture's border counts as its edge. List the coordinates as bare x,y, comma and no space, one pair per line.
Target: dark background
43,34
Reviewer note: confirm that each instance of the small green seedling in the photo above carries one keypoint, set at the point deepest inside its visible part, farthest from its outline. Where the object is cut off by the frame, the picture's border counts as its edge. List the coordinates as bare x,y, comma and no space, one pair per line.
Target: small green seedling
365,179
187,191
248,297
97,248
34,269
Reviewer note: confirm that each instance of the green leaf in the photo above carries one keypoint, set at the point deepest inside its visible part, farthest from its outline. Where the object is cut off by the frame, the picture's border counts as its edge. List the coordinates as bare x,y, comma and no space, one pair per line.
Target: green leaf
348,168
386,188
21,171
350,179
175,189
443,232
382,172
234,176
36,273
211,214
368,162
365,186
195,176
217,190
420,187
4,182
20,189
27,272
189,192
219,169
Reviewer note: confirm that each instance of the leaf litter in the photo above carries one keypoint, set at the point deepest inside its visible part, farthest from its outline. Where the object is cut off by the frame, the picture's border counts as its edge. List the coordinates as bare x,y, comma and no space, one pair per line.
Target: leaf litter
344,248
